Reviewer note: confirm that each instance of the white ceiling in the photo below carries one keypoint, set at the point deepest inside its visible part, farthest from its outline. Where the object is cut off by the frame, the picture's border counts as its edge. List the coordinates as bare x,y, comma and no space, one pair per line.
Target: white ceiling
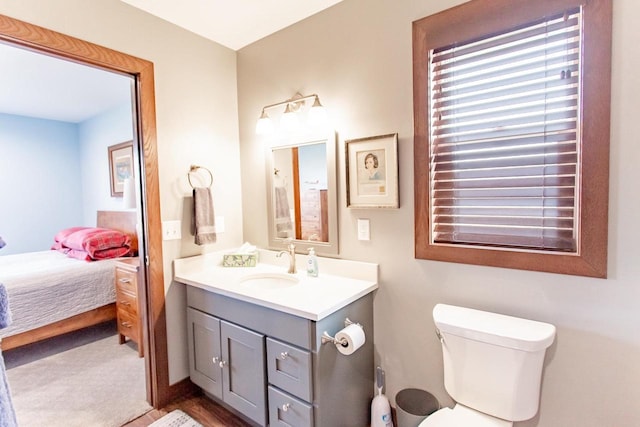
69,92
233,23
66,91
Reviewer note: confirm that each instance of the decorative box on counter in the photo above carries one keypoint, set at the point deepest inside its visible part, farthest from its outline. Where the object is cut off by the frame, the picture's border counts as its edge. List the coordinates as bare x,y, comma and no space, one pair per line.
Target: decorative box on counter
240,259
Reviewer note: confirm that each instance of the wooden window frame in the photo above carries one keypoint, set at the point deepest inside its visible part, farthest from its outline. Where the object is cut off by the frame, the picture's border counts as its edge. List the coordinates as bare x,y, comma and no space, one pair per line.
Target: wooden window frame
480,17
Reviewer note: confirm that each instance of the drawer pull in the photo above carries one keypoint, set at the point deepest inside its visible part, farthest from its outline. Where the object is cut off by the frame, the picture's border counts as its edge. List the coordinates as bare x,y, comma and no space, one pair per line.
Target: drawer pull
126,324
125,303
284,355
125,280
286,407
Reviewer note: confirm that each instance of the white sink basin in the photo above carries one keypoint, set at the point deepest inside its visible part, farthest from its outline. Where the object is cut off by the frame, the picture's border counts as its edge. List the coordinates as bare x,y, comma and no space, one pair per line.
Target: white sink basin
269,281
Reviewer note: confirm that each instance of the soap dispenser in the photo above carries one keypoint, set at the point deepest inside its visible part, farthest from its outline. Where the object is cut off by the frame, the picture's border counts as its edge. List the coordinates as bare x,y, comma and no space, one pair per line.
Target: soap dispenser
312,263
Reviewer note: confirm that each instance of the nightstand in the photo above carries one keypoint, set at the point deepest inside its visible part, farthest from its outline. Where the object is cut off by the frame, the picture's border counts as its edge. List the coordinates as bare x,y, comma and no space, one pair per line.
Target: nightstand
127,302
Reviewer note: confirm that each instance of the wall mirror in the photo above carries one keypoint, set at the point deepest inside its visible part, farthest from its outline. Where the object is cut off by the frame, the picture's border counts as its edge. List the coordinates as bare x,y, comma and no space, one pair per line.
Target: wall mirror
302,197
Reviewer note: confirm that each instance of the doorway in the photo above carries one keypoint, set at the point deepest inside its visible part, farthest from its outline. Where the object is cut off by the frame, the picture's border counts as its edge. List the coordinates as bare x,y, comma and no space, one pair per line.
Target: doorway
25,35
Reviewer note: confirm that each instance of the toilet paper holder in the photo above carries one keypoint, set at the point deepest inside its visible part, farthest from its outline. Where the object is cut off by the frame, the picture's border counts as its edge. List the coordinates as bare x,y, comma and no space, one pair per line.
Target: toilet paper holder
328,338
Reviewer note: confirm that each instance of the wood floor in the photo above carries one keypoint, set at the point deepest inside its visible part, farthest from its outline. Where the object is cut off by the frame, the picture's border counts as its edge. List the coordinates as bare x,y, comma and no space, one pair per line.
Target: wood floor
198,407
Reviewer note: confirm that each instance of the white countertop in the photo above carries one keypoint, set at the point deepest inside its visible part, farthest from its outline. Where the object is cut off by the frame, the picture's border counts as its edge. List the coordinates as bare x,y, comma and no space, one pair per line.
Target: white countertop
339,283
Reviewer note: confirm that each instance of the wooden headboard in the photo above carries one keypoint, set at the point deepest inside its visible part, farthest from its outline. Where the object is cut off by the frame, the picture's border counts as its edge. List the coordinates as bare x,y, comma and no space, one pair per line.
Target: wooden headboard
124,221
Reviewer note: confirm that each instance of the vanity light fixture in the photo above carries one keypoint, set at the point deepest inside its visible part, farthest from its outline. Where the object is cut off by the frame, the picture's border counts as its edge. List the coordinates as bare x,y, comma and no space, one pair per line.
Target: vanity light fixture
289,120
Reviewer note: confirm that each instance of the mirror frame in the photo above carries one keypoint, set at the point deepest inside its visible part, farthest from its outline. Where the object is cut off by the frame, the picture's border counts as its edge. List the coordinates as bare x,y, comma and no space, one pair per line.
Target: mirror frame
331,247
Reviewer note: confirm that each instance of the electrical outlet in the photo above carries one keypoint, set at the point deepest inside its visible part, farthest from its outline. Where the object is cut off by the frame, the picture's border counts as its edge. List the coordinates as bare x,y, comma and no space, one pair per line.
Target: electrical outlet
171,230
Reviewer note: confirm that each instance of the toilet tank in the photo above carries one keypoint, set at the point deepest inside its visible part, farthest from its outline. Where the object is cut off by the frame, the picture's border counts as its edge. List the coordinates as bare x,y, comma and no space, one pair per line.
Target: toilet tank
492,362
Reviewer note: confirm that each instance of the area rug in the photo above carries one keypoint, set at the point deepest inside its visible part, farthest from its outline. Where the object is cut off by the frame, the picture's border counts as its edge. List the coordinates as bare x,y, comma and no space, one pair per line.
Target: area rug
176,418
98,384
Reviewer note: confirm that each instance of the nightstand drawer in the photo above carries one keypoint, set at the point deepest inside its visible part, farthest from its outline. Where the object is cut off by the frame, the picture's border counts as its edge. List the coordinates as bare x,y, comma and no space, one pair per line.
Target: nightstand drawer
128,325
127,281
127,302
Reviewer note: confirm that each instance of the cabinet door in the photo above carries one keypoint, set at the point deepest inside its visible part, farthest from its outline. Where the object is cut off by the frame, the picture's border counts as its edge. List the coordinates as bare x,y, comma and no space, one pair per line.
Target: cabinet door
243,374
204,351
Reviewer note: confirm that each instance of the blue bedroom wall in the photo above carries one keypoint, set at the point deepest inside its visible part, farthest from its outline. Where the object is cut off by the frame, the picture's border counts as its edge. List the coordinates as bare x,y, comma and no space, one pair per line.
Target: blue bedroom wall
55,175
96,135
40,175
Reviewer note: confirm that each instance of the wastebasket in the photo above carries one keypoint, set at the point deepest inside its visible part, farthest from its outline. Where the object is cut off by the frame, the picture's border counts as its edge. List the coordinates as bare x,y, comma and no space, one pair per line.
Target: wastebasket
414,405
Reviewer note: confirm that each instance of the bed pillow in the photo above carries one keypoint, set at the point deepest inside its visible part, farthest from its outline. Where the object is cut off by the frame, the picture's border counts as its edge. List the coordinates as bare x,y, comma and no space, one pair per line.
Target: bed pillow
57,246
94,240
98,255
63,234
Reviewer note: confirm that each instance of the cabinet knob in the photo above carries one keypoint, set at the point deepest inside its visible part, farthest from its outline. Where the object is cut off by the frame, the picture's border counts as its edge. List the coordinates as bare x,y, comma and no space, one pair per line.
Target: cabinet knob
286,407
215,360
222,363
284,355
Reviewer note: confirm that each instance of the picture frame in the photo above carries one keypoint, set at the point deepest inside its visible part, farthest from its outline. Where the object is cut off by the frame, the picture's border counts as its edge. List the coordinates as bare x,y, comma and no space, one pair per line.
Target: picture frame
372,172
120,166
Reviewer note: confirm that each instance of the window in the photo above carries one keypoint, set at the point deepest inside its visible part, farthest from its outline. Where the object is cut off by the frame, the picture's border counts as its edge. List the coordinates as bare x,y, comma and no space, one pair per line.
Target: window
511,112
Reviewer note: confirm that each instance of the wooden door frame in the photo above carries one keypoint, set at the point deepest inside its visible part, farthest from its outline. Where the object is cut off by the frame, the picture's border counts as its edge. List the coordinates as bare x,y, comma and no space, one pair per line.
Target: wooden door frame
32,37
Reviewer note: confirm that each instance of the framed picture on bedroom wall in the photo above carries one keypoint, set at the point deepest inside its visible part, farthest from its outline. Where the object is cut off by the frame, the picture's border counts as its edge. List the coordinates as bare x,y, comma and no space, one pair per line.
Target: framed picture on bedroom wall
372,172
120,166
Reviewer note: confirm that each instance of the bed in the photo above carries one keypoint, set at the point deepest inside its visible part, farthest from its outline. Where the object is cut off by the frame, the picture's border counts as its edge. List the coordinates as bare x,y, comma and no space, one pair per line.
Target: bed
51,294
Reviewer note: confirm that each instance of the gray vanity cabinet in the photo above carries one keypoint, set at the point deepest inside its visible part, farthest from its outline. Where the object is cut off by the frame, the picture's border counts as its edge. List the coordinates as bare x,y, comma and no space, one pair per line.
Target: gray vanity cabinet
276,362
228,361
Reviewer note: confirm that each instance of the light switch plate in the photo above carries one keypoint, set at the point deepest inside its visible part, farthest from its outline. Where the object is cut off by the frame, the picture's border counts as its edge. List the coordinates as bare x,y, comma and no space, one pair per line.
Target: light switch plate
171,230
219,224
363,229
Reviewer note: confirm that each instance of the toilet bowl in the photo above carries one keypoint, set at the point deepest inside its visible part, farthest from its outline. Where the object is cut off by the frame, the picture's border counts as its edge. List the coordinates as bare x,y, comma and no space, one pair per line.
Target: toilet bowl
461,416
492,367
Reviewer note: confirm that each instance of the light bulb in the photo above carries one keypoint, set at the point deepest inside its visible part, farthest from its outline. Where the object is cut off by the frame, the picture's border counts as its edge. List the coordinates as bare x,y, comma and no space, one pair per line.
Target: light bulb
317,114
289,120
264,126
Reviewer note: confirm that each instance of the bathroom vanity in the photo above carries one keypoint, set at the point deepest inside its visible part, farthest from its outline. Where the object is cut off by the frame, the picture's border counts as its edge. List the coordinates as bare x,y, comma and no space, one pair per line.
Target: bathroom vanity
255,339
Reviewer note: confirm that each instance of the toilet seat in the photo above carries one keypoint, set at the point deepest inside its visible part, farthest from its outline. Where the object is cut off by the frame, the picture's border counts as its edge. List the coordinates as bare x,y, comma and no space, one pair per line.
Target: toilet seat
460,416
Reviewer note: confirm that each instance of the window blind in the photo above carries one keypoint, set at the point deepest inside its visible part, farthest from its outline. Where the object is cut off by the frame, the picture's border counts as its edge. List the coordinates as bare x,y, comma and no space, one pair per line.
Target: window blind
504,138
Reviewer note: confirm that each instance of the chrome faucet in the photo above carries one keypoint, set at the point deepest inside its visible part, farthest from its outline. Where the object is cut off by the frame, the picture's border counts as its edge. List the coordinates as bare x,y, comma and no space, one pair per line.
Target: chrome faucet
291,250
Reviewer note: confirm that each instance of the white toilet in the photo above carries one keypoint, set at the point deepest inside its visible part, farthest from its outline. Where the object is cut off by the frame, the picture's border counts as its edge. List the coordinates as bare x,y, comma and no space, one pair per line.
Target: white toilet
492,367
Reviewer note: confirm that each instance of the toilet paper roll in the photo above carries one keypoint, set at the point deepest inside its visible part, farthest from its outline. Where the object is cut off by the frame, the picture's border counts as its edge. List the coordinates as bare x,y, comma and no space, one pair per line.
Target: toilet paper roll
353,338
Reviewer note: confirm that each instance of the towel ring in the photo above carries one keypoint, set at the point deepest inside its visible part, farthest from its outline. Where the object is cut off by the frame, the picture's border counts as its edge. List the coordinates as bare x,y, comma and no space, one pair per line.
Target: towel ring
193,169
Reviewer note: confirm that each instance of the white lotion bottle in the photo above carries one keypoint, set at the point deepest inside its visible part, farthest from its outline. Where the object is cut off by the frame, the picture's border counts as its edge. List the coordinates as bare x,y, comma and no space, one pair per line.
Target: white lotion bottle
312,263
380,407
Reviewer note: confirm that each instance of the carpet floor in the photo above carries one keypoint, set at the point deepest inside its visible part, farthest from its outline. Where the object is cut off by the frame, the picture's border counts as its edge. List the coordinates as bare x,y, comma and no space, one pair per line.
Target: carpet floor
82,380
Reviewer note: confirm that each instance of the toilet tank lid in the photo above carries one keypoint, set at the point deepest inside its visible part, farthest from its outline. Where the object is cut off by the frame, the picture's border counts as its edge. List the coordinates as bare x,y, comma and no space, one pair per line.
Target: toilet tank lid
493,328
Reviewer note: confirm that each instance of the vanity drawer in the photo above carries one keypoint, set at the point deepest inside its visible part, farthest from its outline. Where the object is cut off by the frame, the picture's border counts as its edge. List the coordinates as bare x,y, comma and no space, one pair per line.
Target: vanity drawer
289,368
287,411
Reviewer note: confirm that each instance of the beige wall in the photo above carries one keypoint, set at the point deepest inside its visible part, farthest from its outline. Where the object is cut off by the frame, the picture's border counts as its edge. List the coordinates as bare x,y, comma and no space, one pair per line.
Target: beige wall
357,57
197,121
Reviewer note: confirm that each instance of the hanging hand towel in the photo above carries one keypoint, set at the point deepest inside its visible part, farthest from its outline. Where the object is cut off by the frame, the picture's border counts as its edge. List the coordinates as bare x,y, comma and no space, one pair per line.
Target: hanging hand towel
203,223
283,217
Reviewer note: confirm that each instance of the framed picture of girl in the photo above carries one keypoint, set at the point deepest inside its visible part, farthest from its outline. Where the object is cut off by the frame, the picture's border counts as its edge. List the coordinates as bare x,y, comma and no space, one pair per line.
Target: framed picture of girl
372,172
